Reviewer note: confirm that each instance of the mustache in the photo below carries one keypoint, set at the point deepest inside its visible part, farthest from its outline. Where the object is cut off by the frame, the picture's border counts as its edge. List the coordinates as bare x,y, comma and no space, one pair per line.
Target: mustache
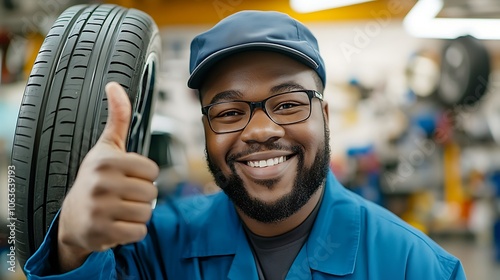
260,147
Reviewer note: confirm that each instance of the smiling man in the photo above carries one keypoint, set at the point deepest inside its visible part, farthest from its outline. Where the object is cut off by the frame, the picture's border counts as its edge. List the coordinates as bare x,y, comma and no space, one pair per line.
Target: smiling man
281,215
267,136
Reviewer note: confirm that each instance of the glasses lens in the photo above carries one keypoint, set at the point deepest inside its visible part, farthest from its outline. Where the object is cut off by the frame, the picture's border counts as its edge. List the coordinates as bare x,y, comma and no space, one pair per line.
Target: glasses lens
285,108
289,107
229,116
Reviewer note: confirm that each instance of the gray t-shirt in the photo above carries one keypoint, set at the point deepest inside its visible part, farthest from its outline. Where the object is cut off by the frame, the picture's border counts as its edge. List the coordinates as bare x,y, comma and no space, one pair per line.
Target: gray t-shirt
274,255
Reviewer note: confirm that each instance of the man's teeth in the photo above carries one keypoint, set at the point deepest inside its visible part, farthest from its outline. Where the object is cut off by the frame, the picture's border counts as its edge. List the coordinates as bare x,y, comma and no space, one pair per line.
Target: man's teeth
266,163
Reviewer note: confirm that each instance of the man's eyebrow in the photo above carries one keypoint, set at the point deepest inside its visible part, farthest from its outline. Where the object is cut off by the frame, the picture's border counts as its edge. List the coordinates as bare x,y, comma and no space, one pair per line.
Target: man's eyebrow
285,87
230,95
226,96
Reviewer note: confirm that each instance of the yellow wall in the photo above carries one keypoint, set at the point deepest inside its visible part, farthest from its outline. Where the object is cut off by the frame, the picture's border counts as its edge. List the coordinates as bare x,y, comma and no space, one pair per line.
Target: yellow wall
175,12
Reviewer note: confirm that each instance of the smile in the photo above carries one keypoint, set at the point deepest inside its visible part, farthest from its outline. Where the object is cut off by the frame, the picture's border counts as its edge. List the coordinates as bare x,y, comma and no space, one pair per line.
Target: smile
267,163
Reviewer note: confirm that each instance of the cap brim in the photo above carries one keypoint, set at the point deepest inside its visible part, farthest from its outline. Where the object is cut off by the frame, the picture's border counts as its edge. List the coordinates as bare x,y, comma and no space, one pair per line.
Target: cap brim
200,71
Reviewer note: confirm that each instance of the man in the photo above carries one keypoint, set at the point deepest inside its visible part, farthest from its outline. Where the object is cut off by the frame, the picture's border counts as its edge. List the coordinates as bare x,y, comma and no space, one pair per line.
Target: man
281,214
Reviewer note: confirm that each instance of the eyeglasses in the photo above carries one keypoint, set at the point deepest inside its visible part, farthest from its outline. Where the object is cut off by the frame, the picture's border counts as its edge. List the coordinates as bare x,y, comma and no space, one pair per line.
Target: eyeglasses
284,108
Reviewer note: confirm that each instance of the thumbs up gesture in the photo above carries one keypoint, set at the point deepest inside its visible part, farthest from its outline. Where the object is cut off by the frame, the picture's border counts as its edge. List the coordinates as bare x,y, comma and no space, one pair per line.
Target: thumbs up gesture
110,201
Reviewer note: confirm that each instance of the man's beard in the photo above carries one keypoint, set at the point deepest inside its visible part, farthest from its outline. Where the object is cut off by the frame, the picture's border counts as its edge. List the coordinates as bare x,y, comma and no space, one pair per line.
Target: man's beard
307,182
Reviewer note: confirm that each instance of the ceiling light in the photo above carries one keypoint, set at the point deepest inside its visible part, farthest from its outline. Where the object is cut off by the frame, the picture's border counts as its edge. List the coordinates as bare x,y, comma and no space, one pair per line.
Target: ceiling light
421,21
307,6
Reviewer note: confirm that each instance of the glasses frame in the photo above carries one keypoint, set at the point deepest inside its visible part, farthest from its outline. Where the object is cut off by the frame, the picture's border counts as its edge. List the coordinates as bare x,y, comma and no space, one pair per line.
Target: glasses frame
262,105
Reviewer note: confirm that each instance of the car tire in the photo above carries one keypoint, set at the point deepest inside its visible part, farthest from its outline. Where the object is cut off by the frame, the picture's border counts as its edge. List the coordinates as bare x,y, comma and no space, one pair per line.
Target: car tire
465,71
64,107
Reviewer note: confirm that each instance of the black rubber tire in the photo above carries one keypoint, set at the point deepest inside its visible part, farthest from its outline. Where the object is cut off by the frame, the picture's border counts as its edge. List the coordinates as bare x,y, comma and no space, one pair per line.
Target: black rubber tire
64,107
465,73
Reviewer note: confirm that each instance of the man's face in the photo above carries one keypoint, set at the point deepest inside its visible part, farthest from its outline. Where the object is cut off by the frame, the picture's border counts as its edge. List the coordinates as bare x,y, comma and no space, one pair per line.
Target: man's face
267,194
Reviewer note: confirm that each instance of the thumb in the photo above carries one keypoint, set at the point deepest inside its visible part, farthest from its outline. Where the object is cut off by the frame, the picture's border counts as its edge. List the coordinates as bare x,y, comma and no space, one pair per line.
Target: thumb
119,114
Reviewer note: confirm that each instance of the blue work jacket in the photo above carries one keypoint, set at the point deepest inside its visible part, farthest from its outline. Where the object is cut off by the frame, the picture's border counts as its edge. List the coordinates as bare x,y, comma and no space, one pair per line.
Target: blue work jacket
202,238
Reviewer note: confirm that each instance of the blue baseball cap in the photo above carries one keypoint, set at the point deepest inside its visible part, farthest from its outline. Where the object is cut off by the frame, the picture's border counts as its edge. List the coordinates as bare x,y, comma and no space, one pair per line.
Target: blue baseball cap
253,30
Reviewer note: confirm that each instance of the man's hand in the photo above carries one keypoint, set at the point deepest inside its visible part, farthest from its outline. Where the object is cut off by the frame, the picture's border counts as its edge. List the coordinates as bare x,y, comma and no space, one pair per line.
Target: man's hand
110,201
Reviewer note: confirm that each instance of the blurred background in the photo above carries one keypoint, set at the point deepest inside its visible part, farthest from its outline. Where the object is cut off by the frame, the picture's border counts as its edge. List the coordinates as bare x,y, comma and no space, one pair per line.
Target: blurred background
414,97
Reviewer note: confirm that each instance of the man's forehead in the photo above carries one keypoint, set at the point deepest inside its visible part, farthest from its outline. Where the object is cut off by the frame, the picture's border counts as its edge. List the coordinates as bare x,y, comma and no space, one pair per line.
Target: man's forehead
246,66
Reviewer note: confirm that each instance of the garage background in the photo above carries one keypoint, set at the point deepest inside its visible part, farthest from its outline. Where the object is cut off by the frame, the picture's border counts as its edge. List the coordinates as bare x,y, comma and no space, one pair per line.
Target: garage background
394,140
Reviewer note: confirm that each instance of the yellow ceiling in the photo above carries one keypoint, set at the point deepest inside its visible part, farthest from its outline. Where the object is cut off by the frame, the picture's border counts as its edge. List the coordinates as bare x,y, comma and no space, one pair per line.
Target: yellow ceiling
175,12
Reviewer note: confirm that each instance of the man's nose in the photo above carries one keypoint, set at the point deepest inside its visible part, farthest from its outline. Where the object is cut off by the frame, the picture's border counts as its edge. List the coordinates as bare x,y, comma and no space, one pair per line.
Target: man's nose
261,128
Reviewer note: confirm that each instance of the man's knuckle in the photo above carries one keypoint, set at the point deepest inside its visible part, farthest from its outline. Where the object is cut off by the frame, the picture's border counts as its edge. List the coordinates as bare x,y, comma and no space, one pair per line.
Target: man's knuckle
142,232
104,162
146,213
97,212
151,192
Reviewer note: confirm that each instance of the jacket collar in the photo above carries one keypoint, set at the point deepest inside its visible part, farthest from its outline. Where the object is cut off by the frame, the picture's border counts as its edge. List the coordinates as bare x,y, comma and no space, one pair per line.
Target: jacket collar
212,226
220,233
333,243
331,248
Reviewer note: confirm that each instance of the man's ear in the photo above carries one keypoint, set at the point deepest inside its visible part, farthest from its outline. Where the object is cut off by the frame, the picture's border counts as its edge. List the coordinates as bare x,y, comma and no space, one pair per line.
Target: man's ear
324,105
198,93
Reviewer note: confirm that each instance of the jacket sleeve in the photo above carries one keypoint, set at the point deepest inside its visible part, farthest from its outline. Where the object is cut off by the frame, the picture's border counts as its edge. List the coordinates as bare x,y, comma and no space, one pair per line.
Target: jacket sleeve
43,264
133,261
458,273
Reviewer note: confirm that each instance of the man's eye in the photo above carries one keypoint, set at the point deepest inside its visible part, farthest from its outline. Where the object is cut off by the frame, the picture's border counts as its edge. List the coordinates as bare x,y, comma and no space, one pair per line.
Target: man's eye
286,106
227,114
